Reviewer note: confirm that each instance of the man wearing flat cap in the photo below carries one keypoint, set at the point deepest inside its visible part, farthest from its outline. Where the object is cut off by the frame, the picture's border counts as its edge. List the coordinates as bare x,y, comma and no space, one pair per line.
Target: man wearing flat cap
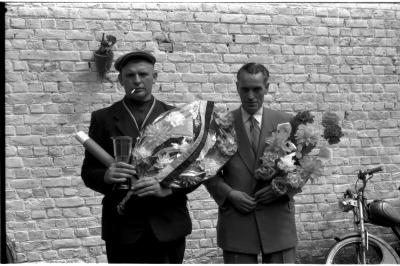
156,220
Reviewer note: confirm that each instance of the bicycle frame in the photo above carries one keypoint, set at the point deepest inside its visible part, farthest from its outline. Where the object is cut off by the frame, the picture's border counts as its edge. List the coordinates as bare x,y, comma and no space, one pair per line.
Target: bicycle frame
363,231
358,207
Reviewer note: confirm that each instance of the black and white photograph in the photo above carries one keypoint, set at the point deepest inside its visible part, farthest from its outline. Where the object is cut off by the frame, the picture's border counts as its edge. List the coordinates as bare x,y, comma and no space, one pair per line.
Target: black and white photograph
162,132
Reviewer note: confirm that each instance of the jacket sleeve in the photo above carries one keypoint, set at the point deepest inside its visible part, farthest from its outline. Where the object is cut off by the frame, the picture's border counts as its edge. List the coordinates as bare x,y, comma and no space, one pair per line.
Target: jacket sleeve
92,169
218,188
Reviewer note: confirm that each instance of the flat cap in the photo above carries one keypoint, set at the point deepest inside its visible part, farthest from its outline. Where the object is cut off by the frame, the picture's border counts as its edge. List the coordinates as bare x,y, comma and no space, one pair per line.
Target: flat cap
124,59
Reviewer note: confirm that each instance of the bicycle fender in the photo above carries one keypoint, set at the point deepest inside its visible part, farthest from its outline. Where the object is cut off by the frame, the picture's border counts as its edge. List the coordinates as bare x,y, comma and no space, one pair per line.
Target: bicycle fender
389,255
345,236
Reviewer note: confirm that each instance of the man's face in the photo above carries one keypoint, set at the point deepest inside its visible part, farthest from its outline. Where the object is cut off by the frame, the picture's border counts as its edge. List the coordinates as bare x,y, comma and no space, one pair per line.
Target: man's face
251,89
139,76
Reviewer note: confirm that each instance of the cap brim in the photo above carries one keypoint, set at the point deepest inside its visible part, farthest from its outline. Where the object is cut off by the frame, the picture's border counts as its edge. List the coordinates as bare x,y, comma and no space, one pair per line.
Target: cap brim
123,60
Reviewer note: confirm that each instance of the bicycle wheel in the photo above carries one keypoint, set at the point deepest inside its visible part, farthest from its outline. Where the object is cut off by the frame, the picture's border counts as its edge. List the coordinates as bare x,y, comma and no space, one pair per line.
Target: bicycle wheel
348,251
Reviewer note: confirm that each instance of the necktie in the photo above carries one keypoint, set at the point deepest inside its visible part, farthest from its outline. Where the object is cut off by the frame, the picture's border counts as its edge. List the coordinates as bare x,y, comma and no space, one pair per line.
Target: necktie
254,133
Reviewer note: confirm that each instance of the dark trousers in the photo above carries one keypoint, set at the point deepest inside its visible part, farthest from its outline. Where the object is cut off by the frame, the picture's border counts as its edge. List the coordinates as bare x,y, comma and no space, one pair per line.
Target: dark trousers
146,250
280,257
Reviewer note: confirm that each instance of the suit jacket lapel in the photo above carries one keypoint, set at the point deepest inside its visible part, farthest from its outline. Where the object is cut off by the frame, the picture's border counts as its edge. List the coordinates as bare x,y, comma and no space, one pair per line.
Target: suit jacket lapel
266,129
244,146
124,122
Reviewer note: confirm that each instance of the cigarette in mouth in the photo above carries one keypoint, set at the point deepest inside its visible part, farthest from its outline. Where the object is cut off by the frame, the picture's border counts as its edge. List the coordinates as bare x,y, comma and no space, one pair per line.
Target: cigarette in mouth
133,91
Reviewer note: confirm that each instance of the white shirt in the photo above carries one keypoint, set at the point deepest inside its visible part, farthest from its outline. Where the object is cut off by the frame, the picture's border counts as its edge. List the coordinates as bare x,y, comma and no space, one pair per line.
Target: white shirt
246,122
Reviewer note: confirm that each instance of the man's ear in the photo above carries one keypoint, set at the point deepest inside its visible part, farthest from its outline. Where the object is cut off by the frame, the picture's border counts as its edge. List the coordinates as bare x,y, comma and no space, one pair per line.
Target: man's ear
266,86
155,75
120,78
237,86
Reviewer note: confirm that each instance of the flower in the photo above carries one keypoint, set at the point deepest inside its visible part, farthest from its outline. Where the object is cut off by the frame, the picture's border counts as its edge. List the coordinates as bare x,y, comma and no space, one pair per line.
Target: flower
269,158
288,146
209,166
227,144
279,187
277,143
333,133
330,119
194,111
300,118
224,119
310,166
304,117
288,162
284,129
154,130
211,140
188,178
265,173
175,119
306,135
294,178
325,152
183,147
140,153
163,160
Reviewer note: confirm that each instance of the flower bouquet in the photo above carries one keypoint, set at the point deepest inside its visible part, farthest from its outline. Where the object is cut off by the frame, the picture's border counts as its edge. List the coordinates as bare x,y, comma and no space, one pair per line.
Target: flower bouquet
290,158
186,146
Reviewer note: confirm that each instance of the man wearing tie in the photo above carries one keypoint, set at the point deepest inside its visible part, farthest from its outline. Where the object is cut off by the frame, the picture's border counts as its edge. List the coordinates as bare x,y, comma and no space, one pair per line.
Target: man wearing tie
252,219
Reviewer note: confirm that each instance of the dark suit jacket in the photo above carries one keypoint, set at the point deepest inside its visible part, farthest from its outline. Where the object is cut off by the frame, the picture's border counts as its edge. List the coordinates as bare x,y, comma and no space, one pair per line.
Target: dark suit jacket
167,217
271,227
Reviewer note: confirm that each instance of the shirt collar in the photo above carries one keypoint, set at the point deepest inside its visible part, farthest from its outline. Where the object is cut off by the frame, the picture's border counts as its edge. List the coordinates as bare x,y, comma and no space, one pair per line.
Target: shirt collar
258,115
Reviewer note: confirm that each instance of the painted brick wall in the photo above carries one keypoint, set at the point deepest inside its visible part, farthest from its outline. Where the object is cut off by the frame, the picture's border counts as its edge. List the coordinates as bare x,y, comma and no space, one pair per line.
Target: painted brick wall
340,57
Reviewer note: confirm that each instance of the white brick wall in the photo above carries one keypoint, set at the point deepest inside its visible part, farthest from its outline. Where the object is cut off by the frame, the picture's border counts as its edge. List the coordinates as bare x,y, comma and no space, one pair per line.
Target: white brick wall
341,57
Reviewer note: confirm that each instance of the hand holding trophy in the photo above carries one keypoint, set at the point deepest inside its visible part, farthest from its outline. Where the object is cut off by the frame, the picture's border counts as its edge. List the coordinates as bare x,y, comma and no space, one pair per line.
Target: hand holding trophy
121,172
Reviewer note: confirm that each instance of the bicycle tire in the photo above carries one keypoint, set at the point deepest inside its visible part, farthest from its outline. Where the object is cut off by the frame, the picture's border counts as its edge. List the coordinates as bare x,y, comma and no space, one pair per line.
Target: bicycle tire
346,251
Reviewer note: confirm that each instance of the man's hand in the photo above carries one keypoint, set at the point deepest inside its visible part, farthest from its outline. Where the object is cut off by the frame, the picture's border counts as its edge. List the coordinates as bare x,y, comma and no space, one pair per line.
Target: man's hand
119,173
149,186
266,195
242,201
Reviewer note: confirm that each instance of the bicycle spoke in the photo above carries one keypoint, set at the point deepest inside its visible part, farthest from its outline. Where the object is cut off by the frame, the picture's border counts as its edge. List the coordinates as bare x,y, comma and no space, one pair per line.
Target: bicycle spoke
350,253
